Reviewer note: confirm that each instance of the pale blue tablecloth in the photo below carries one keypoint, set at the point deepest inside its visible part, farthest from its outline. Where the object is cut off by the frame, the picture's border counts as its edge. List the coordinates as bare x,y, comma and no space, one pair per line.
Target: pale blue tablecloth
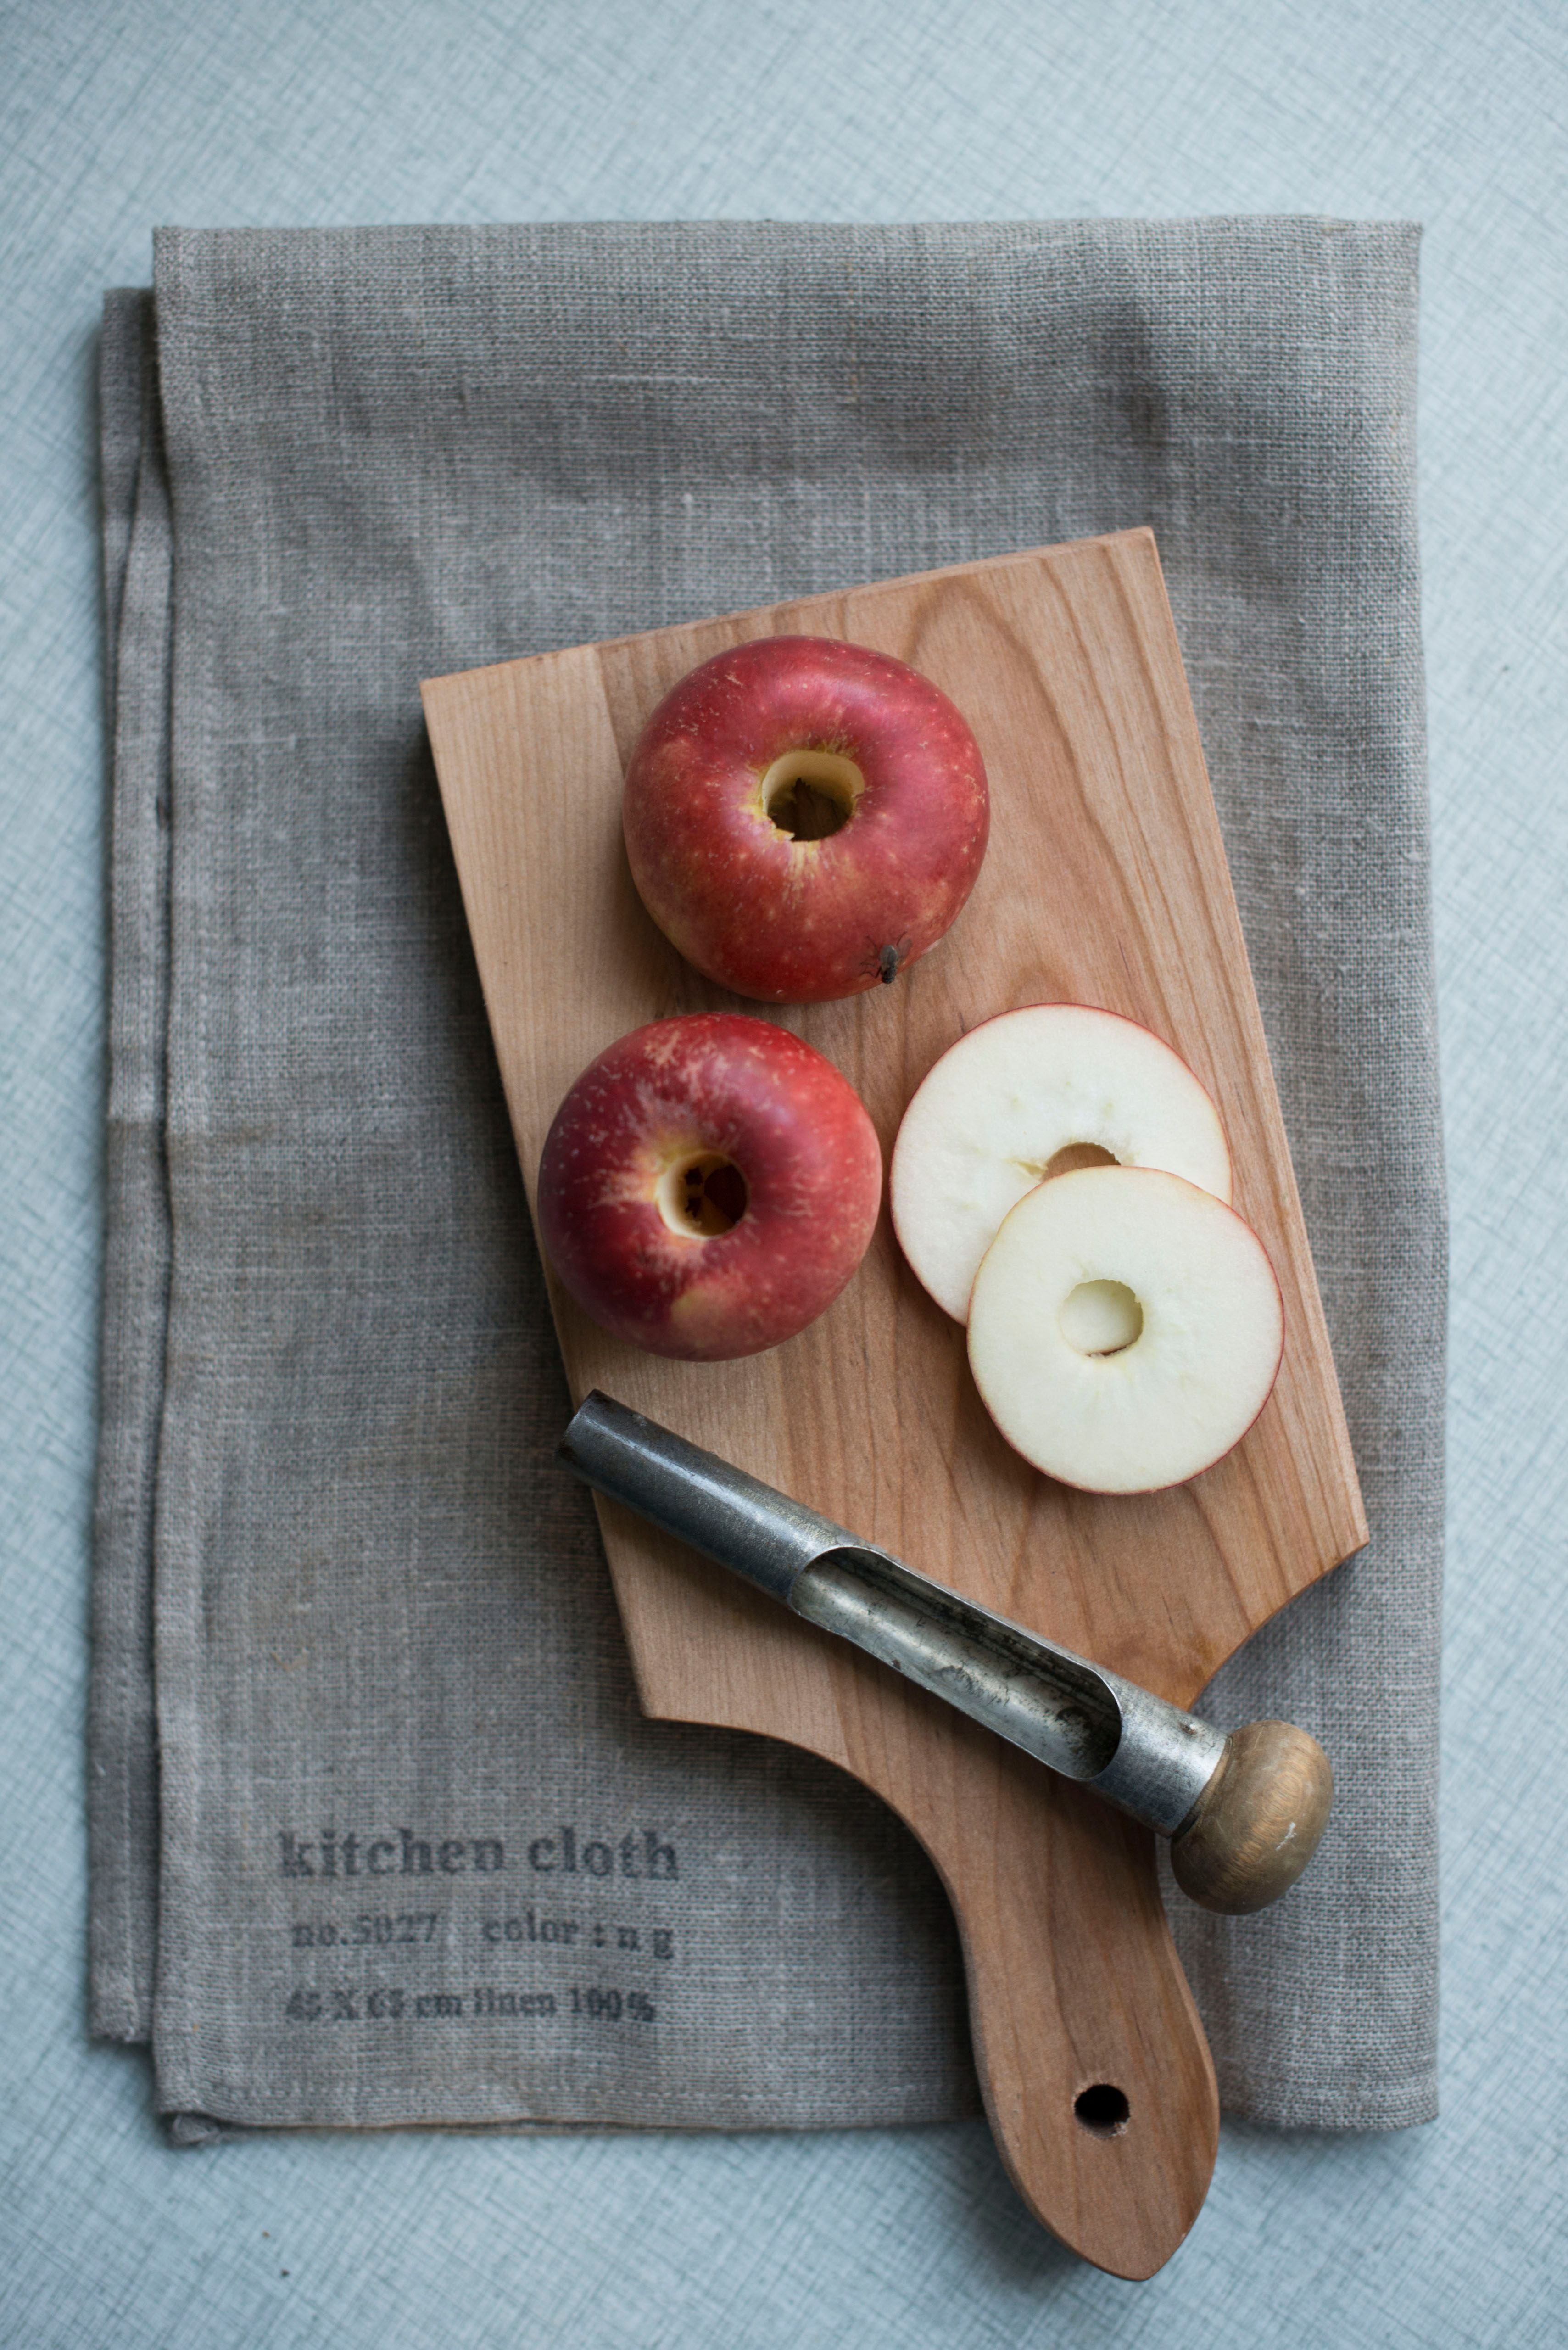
1447,2235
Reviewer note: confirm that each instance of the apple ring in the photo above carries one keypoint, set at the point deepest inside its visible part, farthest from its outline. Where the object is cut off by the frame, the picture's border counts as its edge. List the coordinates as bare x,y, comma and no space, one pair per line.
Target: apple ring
1025,1090
1125,1329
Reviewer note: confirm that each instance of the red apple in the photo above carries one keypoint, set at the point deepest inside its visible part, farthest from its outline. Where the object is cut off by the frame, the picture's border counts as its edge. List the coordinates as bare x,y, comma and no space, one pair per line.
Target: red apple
708,1186
804,816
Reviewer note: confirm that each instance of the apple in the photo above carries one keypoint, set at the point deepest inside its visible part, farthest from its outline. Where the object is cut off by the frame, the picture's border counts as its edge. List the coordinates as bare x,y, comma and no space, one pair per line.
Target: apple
804,817
1027,1095
1125,1328
708,1186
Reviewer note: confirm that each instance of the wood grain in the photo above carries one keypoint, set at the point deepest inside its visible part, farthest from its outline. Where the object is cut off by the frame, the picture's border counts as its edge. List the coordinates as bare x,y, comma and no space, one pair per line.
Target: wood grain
1105,883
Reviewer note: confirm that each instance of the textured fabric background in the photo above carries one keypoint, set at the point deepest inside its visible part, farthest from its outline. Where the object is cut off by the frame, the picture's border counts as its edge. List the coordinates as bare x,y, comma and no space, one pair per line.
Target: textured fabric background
375,1602
1449,2234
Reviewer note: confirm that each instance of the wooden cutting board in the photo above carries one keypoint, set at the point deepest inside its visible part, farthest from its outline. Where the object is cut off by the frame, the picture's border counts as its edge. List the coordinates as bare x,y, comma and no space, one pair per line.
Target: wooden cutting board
1105,883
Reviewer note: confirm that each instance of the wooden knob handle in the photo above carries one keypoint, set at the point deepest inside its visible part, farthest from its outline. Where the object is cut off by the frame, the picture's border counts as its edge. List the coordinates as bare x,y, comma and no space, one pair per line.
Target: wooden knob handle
1258,1822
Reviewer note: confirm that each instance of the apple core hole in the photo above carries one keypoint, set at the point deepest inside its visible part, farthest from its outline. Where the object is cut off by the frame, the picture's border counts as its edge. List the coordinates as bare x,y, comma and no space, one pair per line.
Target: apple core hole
1102,2110
811,794
1074,1155
1101,1317
702,1195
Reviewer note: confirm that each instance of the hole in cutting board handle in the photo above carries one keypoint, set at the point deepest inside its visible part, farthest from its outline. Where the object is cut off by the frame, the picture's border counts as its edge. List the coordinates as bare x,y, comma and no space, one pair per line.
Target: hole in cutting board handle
1102,2109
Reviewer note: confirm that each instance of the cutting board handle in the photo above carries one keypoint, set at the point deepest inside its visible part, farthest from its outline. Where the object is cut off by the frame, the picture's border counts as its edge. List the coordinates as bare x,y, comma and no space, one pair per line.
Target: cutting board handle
1096,2074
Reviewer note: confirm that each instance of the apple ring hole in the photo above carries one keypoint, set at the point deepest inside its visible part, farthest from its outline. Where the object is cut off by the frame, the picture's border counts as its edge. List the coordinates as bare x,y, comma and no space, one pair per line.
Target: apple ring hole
811,794
1074,1155
1103,2109
702,1195
1101,1317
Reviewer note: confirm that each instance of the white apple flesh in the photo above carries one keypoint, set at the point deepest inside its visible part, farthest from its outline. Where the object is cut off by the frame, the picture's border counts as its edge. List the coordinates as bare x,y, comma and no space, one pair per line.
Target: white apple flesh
1015,1096
1125,1329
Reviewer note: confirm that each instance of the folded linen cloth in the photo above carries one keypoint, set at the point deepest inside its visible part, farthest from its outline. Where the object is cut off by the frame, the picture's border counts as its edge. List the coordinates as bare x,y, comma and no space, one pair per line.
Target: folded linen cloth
378,1834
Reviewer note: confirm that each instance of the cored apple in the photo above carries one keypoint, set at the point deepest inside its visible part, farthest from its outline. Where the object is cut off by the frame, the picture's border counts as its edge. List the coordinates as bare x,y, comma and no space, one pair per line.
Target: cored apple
708,1186
1027,1095
1125,1328
805,817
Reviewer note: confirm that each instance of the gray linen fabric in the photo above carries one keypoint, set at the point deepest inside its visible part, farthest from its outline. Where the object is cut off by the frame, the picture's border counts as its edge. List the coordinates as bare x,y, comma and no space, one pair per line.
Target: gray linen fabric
380,1634
123,1787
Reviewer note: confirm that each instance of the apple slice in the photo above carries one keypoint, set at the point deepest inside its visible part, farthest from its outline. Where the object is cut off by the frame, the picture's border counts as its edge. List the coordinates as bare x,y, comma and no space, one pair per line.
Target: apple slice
1125,1329
1014,1099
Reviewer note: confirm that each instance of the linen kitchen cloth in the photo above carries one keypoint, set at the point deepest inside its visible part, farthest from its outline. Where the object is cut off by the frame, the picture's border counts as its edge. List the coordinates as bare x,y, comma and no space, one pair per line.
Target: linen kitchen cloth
379,1835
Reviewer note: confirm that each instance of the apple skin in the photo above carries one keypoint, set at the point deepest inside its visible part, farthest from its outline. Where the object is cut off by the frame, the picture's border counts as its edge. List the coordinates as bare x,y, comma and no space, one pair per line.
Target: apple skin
709,1085
790,921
